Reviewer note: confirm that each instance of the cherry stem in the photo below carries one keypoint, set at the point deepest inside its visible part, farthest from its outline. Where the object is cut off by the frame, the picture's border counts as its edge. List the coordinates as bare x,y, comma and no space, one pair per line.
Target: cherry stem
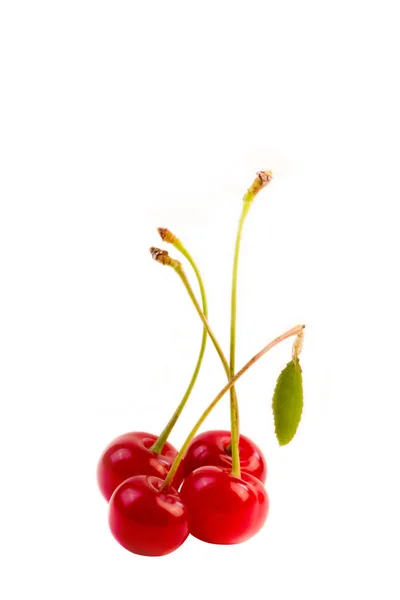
175,465
185,281
234,409
160,442
262,179
163,257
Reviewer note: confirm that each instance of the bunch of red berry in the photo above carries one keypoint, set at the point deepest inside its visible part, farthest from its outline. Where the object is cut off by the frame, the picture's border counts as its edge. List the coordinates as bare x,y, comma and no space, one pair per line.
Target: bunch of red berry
213,487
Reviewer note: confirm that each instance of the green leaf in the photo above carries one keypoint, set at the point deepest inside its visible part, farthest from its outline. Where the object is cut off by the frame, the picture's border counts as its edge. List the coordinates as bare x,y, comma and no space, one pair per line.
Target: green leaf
287,402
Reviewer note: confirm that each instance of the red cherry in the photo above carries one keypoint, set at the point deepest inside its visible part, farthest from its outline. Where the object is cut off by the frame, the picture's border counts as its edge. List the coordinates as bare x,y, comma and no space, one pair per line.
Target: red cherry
146,520
224,509
209,448
130,455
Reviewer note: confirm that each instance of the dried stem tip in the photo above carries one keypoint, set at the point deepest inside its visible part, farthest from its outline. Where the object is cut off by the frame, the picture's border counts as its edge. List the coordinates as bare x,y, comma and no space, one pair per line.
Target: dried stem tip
160,256
166,235
163,257
263,178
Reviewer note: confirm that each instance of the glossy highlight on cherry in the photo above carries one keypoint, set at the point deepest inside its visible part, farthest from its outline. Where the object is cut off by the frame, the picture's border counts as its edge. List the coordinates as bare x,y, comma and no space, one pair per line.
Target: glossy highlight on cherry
211,448
146,520
224,509
130,454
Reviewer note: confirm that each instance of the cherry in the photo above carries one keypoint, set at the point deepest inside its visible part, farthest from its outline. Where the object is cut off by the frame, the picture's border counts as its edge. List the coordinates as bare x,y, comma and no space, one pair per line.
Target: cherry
224,509
147,520
131,454
210,448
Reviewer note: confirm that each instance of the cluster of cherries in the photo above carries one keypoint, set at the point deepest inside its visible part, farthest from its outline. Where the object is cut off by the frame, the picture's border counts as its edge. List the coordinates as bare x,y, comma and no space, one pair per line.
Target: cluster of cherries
212,504
158,496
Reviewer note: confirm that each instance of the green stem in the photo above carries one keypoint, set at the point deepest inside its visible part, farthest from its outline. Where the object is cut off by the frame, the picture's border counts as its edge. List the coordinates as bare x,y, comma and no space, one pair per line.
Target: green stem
160,442
235,429
246,208
262,179
163,257
175,465
234,408
179,269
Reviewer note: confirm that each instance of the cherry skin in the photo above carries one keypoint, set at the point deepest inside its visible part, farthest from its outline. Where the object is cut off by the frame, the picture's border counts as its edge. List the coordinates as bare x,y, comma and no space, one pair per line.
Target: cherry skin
146,520
224,509
209,448
130,455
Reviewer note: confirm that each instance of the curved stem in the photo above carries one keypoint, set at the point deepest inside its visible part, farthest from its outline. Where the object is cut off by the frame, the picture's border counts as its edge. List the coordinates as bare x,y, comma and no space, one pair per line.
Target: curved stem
294,331
262,179
179,246
235,429
245,210
163,257
234,405
179,269
159,443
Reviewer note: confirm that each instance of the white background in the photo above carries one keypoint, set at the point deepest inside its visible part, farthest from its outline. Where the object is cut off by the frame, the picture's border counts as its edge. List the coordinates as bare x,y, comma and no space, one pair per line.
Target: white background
118,117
